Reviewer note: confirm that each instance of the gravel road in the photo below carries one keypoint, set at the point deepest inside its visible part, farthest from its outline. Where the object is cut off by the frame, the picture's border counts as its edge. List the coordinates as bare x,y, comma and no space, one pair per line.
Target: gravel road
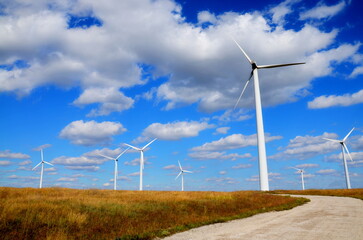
324,218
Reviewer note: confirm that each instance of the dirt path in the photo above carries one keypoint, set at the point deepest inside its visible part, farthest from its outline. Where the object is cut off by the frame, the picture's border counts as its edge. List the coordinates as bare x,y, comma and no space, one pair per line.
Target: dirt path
324,218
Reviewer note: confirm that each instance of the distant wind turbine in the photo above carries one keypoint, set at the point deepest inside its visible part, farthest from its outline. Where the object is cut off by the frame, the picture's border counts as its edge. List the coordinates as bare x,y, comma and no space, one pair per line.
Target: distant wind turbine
301,171
141,150
344,148
42,169
182,172
264,185
116,171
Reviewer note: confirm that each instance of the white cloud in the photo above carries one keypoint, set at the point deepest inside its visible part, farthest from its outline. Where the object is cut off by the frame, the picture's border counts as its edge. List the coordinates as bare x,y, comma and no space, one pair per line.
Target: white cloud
175,130
334,100
110,98
26,162
233,142
222,180
326,172
204,65
88,161
222,130
206,17
134,174
357,71
208,155
307,165
171,167
242,166
5,163
222,172
281,10
44,146
67,179
9,155
323,11
91,133
304,147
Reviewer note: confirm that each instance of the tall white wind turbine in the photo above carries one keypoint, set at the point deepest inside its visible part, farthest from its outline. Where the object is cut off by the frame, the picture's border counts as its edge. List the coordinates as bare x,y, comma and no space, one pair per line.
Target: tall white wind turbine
344,148
264,185
141,150
301,171
116,171
182,172
42,169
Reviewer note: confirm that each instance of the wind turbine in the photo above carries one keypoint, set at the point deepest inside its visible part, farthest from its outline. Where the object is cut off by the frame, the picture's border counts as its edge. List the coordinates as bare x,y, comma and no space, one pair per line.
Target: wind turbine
41,163
116,160
301,171
264,186
141,150
344,147
182,171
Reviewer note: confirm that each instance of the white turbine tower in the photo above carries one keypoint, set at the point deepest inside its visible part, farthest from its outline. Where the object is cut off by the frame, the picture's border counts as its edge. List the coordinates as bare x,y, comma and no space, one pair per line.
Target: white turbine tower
141,150
344,148
116,171
301,171
182,171
42,169
264,186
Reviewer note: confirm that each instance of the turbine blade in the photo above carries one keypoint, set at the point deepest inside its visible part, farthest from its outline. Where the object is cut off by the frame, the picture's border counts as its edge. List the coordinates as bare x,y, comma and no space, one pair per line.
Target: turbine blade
105,156
37,165
348,135
138,149
240,96
248,58
148,144
346,149
48,163
187,171
178,175
296,168
181,169
278,65
122,153
332,140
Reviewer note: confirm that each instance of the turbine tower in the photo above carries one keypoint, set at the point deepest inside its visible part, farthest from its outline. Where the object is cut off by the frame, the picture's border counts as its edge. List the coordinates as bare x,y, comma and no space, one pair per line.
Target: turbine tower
116,171
42,169
264,185
344,148
141,150
301,171
182,172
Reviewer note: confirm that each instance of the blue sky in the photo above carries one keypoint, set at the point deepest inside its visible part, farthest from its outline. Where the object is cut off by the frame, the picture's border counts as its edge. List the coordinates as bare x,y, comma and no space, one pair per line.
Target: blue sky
81,78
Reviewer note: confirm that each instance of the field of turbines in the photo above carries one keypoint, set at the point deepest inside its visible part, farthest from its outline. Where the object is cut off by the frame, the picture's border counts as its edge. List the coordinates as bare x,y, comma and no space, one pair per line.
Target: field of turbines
58,213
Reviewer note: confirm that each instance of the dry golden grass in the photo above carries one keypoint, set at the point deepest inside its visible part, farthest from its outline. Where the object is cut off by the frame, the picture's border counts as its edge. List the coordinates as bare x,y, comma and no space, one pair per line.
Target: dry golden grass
55,213
355,193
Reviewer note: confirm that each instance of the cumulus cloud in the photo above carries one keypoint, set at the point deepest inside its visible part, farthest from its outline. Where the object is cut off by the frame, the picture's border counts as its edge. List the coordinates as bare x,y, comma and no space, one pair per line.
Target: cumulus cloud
88,161
322,11
304,147
110,98
222,130
175,130
208,155
234,141
9,155
91,132
357,71
334,100
326,172
5,163
203,65
307,165
242,166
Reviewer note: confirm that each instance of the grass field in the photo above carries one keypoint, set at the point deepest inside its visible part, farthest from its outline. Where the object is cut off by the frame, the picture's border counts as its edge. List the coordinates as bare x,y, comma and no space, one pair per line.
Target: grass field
355,193
56,213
